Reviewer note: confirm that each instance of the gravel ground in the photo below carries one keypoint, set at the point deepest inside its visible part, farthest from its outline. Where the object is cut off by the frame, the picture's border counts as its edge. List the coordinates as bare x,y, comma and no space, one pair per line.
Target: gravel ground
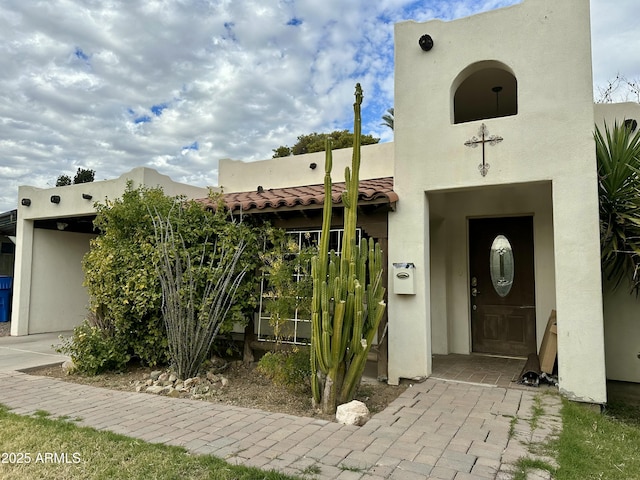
5,329
246,388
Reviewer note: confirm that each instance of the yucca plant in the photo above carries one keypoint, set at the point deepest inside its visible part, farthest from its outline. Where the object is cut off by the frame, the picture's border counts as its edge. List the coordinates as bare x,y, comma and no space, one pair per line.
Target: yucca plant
618,157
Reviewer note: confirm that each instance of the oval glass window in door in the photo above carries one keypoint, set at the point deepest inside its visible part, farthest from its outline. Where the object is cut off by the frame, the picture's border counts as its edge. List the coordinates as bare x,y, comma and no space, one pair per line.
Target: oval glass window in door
501,265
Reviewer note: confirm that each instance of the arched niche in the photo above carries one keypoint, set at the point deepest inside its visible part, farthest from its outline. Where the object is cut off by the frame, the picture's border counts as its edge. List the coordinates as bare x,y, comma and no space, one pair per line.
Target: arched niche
487,89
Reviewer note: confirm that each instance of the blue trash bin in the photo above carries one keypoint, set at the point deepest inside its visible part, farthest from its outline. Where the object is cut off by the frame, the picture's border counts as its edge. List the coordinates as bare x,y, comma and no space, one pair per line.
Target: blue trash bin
5,298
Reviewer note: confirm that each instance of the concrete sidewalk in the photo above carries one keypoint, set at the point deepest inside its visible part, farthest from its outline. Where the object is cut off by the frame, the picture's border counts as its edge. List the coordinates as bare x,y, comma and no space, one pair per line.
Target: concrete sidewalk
436,429
19,353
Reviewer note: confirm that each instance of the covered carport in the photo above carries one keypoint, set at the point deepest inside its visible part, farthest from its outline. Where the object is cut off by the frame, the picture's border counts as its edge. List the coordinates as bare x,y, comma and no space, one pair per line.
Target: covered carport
54,229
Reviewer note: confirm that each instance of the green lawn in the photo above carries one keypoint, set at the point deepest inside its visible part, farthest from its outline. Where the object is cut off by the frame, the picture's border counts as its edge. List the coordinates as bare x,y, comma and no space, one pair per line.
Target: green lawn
58,449
592,446
596,446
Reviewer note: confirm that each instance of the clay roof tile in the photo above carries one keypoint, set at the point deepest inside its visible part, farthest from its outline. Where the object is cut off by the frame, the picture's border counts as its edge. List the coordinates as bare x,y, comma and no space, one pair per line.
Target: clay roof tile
377,190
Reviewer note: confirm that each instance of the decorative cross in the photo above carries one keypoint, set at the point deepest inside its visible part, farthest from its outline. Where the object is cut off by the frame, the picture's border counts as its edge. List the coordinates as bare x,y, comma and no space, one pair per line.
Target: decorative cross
483,133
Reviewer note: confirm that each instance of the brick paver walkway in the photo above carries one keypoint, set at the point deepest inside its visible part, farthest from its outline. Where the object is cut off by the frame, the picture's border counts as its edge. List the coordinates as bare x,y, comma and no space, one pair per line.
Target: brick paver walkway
435,429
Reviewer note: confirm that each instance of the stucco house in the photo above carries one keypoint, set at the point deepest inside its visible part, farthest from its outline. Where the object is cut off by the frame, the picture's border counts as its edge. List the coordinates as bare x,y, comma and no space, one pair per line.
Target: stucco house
488,194
54,228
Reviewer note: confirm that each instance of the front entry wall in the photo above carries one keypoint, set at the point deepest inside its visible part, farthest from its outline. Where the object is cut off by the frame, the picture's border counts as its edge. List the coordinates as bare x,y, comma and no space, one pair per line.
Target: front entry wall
449,214
549,140
58,299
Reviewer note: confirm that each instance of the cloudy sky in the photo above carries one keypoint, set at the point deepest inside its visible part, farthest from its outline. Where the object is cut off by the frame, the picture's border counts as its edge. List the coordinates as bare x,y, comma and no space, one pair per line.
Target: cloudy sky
178,84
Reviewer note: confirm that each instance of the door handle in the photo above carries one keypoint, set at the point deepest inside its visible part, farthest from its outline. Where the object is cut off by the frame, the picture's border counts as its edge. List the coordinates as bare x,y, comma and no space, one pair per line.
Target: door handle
474,292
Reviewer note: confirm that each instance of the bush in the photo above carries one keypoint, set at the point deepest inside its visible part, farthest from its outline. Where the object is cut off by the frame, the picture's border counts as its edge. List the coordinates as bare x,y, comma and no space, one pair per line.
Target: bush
290,369
94,350
120,268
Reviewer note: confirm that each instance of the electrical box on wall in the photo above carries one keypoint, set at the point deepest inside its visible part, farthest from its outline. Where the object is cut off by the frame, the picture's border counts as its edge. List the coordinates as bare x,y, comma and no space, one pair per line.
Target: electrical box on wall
404,282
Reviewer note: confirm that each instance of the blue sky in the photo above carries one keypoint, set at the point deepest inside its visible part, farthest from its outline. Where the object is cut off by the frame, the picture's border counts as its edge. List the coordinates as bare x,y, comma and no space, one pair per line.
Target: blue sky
177,85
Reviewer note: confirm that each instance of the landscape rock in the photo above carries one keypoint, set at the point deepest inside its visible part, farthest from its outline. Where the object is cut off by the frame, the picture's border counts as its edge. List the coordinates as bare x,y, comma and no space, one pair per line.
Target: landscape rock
68,367
201,389
190,382
173,393
167,383
353,413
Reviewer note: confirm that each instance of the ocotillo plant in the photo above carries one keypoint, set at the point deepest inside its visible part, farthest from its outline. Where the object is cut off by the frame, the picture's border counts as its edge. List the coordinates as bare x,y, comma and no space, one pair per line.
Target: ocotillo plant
348,296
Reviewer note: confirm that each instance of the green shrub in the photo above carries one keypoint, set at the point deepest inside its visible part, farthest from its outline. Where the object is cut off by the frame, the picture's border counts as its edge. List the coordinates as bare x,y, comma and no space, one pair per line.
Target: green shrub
94,350
120,268
291,369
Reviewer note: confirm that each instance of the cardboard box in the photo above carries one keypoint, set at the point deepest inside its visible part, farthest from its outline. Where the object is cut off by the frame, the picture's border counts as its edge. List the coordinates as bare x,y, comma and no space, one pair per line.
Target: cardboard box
549,346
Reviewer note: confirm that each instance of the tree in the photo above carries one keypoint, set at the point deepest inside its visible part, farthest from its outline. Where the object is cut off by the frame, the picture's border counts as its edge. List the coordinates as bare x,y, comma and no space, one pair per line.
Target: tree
282,151
63,181
620,89
83,175
387,118
315,142
618,158
348,296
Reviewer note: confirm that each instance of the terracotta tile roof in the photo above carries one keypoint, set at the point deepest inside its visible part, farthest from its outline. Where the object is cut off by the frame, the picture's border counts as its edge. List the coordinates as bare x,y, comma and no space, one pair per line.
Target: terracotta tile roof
377,190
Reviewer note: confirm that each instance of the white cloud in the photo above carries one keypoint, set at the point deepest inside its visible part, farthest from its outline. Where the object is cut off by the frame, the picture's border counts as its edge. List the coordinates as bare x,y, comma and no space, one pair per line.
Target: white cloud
239,77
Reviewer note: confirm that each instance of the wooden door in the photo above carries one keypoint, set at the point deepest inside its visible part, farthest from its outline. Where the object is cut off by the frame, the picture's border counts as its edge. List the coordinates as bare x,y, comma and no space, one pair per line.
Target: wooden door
501,287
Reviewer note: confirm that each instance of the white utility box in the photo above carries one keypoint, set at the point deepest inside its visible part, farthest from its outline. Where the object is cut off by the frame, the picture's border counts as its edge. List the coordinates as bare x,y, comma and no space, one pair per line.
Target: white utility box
404,279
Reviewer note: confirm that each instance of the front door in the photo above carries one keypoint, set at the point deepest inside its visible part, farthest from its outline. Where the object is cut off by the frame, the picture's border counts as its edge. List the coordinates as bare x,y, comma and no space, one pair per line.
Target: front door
501,286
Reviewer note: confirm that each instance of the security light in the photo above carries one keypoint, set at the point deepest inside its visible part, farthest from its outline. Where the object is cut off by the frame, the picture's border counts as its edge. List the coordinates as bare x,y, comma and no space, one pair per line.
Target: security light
426,42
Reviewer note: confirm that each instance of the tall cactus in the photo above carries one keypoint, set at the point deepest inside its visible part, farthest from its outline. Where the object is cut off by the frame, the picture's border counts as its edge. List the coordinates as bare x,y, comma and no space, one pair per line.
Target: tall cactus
348,296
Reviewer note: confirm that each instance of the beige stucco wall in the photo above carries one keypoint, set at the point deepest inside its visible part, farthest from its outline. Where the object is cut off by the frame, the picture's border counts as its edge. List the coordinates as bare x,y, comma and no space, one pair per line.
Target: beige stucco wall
547,45
48,293
622,333
72,203
621,308
59,301
610,113
238,176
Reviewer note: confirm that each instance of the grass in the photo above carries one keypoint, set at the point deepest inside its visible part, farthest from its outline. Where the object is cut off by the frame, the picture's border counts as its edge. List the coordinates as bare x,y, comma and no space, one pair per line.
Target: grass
591,446
101,455
350,468
596,446
525,465
536,412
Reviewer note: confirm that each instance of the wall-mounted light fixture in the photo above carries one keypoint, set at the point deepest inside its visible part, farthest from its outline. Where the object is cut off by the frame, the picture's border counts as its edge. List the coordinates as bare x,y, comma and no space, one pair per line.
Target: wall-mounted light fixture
55,199
86,196
313,165
25,202
425,42
497,89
